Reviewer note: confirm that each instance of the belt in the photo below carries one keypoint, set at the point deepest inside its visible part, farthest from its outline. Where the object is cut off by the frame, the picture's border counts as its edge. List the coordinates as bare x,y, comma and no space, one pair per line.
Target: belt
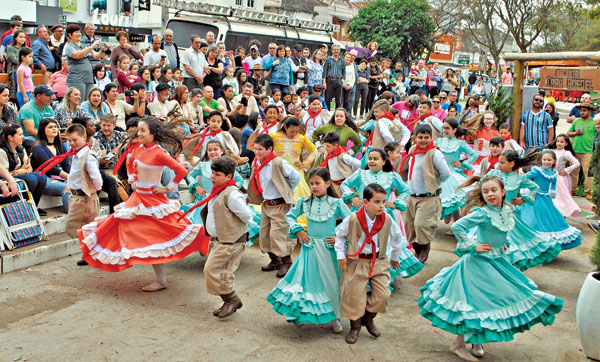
367,256
275,202
338,182
78,193
241,239
330,78
428,194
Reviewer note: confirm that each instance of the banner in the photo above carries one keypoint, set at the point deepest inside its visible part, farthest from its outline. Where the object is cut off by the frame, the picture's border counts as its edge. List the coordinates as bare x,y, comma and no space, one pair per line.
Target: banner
585,79
68,5
443,50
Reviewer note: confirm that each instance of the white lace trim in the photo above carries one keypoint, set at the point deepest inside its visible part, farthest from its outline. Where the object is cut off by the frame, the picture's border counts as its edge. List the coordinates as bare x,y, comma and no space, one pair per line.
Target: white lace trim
140,209
448,145
146,185
548,177
328,210
503,219
140,163
384,179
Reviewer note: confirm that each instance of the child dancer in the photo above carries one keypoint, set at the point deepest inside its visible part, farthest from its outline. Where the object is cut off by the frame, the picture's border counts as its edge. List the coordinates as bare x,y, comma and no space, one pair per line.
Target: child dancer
338,161
381,134
363,238
271,185
227,218
196,145
528,248
268,126
509,142
310,292
543,215
482,298
452,147
491,161
427,169
564,154
114,243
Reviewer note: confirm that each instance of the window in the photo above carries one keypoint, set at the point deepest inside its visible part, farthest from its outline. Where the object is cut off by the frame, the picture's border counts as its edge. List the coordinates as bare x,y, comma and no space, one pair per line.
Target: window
238,2
250,3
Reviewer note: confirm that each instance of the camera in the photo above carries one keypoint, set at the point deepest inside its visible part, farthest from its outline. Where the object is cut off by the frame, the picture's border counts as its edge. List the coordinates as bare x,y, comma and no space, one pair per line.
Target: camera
128,93
244,101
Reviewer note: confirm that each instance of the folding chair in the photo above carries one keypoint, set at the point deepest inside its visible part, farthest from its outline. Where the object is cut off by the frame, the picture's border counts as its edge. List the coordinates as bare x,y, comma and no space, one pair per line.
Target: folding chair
21,223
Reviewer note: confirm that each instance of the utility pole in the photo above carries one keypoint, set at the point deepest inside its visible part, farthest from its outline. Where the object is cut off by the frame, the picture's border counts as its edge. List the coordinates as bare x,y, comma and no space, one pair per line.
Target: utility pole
164,17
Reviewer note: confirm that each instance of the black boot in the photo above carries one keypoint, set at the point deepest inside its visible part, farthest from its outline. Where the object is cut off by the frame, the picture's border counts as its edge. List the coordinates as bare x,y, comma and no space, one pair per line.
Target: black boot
367,321
285,266
417,248
217,311
424,254
352,336
232,304
275,263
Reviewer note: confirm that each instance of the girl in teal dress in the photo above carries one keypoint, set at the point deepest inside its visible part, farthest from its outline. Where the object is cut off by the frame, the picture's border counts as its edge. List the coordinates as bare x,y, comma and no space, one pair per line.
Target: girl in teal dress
528,247
482,297
310,291
202,185
543,216
379,170
453,148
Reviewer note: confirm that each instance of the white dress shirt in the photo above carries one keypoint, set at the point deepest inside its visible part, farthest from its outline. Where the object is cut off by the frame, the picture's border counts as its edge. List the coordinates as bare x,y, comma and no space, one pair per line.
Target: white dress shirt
308,125
236,204
435,122
336,175
394,242
93,169
270,192
221,138
417,183
384,130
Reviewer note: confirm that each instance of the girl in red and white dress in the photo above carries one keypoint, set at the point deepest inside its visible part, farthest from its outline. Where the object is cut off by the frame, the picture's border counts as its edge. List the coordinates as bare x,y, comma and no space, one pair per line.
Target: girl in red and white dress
148,228
485,132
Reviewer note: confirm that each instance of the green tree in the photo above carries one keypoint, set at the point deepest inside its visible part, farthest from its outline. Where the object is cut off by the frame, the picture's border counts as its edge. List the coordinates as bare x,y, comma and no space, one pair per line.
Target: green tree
402,28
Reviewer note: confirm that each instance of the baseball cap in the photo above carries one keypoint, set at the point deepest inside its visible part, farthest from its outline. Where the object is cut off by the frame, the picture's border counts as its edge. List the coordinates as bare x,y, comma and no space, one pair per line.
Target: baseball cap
318,88
298,47
43,89
254,47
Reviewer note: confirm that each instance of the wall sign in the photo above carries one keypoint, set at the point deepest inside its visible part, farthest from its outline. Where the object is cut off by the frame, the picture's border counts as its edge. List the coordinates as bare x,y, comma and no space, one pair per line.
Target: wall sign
112,20
586,79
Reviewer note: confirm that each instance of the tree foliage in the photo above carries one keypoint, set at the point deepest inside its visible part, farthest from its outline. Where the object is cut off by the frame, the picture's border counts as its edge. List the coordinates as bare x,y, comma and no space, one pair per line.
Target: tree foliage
524,19
502,105
402,28
565,19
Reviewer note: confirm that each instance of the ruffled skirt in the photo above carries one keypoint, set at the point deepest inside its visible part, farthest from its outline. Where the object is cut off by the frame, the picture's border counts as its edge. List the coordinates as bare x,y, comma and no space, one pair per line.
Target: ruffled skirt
453,199
545,218
146,229
564,201
310,291
486,300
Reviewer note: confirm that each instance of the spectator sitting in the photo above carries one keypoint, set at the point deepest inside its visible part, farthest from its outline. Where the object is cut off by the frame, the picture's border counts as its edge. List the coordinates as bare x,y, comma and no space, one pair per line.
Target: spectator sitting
100,77
235,113
33,112
47,146
165,109
208,105
192,109
181,96
317,90
70,108
14,158
58,80
94,105
109,142
119,108
8,112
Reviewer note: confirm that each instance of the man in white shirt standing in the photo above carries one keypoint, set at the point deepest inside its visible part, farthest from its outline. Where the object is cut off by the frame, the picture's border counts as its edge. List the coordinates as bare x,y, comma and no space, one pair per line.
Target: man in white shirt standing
156,56
348,82
194,64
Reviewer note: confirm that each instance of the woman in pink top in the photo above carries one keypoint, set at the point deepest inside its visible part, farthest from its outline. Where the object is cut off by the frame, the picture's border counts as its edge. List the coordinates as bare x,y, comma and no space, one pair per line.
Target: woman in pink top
124,77
407,111
58,80
437,110
24,80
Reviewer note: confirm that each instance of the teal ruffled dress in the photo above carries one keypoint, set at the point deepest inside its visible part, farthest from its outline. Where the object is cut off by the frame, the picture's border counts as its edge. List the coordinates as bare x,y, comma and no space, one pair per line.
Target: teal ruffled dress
483,296
201,175
527,247
453,199
310,291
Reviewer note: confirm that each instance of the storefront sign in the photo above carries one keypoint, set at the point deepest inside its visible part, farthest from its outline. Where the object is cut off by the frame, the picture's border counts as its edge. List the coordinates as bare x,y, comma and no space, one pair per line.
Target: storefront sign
586,79
443,50
111,20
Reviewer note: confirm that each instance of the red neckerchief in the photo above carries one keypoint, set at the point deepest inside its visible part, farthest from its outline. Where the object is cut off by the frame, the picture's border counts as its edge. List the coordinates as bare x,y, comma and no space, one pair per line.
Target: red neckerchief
418,119
362,219
313,116
414,153
213,193
508,138
266,127
338,151
206,133
123,157
387,115
255,179
492,161
48,165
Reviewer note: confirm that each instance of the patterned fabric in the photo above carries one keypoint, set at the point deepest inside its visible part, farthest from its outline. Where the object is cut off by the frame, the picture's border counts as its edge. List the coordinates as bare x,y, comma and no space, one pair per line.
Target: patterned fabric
108,144
17,213
536,128
62,114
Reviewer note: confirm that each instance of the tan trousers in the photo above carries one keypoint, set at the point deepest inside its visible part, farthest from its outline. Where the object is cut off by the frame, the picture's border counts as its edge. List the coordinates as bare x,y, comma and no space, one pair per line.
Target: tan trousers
585,159
82,210
421,218
274,230
355,299
337,189
223,260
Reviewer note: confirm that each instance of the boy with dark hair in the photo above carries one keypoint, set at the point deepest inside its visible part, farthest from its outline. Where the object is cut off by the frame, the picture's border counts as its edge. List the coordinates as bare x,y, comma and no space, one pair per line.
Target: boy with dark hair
361,246
225,218
426,168
271,185
84,181
338,161
491,162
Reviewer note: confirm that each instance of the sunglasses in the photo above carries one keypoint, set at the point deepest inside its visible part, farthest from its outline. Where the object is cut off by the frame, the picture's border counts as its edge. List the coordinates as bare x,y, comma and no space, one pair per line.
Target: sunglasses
436,101
538,100
442,97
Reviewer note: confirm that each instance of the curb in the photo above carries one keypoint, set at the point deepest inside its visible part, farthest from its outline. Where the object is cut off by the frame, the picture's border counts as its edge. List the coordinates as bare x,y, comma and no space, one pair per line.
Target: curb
38,255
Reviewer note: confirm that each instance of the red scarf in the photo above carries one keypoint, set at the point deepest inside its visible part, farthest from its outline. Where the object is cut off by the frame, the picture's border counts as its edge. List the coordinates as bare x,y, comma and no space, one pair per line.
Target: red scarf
213,193
362,219
492,161
508,138
413,154
338,151
255,179
206,133
266,127
412,121
387,115
48,165
123,157
313,116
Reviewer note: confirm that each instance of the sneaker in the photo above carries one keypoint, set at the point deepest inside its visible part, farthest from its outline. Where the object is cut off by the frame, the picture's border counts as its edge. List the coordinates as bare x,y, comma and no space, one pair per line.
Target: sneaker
594,227
477,350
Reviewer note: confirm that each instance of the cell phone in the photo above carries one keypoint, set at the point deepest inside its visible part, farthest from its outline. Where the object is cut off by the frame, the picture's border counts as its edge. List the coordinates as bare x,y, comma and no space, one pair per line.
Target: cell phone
63,130
230,52
109,157
244,101
128,93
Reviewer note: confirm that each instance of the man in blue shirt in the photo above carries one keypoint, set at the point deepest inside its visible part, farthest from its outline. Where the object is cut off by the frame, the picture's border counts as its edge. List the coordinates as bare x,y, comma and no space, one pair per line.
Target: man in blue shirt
452,99
574,114
42,56
537,129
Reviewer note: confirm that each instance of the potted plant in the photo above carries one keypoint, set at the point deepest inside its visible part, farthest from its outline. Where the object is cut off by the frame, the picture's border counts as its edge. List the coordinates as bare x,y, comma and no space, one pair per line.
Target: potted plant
588,318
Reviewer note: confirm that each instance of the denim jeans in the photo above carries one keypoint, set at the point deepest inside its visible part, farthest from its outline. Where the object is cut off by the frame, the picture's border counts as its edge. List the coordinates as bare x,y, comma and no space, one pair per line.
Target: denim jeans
57,188
35,184
167,176
281,87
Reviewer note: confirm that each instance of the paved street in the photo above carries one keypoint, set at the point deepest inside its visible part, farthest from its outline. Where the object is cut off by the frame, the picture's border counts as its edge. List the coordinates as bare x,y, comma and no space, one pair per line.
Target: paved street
60,312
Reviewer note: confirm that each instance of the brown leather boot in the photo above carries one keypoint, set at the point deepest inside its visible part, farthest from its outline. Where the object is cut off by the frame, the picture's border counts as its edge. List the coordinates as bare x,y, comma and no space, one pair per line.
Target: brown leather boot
285,266
275,263
232,304
424,254
367,321
217,311
352,336
417,248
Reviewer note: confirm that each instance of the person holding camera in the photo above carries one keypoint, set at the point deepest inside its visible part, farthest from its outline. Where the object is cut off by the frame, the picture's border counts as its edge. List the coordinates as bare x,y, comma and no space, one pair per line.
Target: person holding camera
240,106
156,55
